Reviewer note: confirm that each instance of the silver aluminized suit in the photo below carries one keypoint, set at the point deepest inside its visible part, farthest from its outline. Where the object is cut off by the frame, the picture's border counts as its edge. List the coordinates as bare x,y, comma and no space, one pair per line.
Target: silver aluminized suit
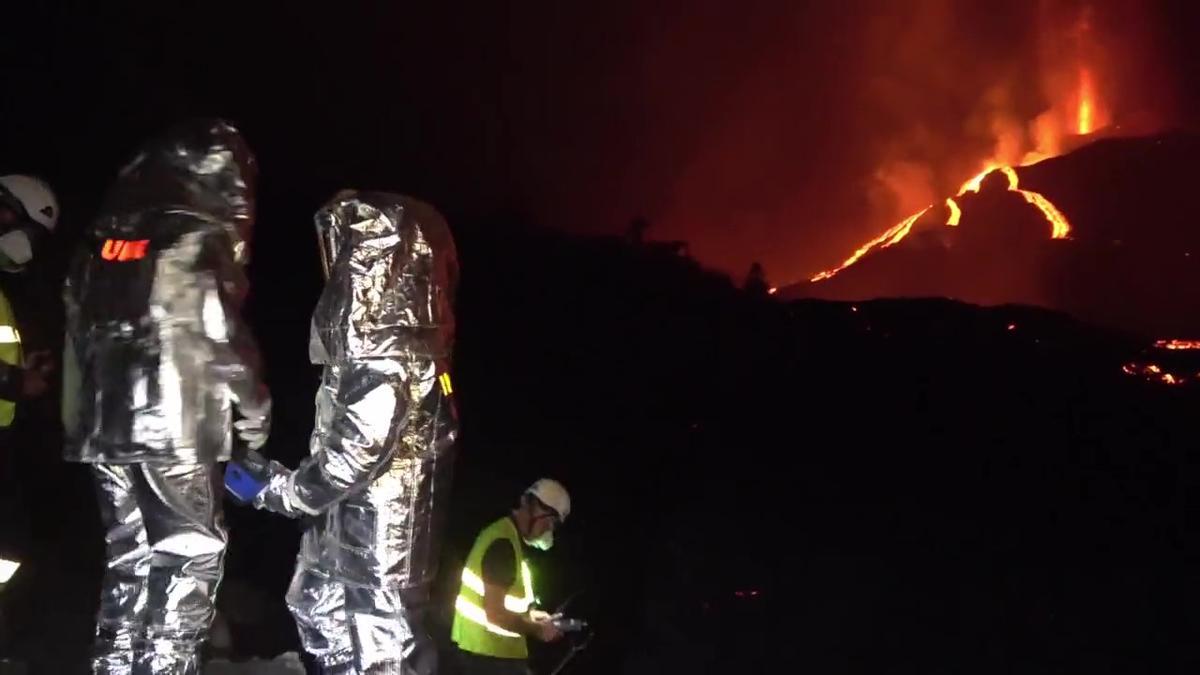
156,356
381,449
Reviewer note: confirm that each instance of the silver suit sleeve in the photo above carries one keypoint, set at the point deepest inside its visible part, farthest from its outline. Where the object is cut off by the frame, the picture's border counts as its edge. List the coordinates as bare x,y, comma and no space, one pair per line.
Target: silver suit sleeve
235,355
367,404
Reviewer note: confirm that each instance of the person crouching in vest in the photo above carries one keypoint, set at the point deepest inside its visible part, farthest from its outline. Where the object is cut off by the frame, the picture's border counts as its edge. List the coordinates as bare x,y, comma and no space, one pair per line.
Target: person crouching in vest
494,612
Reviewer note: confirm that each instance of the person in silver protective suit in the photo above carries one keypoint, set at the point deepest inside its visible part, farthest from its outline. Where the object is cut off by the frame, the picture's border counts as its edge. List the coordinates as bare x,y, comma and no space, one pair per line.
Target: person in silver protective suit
156,358
378,475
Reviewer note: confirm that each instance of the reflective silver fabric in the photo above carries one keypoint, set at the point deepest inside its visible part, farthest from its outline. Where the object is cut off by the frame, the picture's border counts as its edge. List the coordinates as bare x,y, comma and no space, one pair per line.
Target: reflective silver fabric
381,448
165,546
156,351
156,356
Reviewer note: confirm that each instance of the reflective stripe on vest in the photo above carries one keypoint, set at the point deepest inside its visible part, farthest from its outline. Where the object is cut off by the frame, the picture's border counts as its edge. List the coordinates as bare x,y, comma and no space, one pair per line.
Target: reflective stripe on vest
478,615
514,604
10,354
472,631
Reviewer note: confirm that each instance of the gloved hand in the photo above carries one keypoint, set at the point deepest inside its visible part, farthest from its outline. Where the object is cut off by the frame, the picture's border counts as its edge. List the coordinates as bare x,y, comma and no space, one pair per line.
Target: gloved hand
253,479
266,484
544,628
244,481
35,378
255,425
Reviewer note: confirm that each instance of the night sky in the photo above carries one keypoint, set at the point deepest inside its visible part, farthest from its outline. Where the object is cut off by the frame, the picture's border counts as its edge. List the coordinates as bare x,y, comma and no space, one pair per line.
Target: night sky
755,130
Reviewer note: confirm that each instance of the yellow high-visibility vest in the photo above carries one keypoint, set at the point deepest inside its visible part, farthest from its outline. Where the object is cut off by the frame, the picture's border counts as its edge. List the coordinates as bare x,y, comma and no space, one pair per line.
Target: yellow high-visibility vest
10,353
472,631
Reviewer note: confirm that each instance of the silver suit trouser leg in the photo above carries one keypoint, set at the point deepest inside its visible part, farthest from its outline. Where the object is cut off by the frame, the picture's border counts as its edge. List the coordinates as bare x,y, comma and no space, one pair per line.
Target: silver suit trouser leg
361,591
120,623
354,630
317,602
165,553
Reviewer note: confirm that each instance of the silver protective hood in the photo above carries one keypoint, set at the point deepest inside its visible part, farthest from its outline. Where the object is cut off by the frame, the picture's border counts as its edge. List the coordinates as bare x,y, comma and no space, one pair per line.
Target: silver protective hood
156,350
201,167
391,271
382,443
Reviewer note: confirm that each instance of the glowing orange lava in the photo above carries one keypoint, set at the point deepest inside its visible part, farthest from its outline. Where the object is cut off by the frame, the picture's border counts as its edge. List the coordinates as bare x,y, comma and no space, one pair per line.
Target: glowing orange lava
955,212
1175,345
973,184
1079,110
1087,104
1154,373
892,236
1060,227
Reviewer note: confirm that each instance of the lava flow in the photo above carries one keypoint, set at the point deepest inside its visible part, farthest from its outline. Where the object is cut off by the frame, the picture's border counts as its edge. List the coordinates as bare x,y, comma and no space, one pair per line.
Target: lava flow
1060,227
1178,345
884,240
955,212
1082,120
1154,372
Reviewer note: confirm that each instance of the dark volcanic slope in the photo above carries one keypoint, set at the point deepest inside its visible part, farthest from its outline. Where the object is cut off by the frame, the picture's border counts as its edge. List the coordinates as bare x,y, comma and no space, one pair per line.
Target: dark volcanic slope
1131,262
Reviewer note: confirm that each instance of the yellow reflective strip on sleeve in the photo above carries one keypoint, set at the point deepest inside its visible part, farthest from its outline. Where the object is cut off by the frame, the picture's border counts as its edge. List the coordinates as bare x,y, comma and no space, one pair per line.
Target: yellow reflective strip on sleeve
9,335
447,386
475,614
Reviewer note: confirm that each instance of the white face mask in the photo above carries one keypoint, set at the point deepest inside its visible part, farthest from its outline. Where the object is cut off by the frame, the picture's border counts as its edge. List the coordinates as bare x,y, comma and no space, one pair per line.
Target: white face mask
543,542
15,249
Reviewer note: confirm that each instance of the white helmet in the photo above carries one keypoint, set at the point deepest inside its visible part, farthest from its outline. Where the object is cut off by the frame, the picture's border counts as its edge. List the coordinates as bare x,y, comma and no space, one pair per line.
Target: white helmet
553,494
35,196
